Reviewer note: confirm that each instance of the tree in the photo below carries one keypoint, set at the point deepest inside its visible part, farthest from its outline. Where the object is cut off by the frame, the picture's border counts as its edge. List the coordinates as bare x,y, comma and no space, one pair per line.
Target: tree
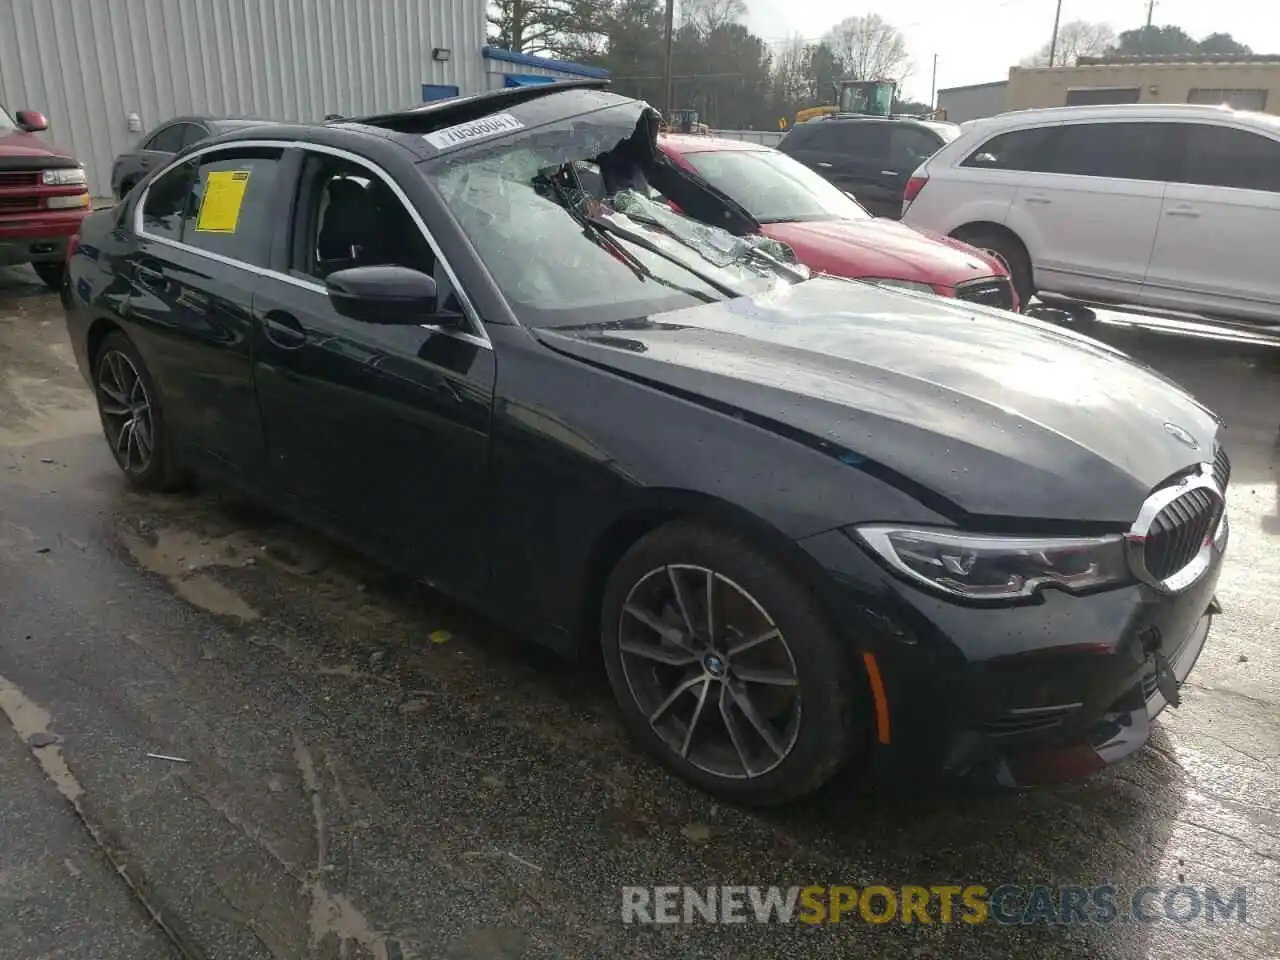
1076,39
707,16
1223,44
519,25
1156,41
825,71
542,26
870,48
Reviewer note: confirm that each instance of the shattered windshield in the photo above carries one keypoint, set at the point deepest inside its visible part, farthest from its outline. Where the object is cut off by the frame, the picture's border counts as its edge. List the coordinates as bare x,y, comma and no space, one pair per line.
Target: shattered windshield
564,220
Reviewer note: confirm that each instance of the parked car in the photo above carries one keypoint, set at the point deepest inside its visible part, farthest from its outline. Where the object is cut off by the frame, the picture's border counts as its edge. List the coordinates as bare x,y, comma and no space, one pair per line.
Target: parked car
158,146
807,522
1160,205
871,157
44,195
830,232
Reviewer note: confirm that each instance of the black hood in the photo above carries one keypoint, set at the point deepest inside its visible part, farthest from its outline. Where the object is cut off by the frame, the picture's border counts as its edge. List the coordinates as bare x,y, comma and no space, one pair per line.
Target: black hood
998,415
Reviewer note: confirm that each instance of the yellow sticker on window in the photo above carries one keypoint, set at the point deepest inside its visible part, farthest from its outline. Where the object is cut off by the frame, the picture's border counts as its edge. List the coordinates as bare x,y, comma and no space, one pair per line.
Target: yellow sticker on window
223,198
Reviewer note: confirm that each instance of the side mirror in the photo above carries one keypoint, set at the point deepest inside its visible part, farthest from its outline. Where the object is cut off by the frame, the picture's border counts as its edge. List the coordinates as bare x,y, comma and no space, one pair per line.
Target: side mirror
32,121
386,295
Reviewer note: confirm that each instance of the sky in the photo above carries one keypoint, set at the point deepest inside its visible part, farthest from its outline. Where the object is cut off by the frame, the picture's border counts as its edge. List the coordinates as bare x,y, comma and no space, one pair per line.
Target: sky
976,41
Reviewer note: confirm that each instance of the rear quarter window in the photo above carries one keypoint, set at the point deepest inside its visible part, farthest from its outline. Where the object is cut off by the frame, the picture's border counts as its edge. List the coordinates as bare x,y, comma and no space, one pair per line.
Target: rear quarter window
1219,156
800,138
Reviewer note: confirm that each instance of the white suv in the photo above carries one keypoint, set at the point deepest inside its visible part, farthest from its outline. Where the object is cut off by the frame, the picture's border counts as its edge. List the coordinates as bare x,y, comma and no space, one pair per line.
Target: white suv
1160,205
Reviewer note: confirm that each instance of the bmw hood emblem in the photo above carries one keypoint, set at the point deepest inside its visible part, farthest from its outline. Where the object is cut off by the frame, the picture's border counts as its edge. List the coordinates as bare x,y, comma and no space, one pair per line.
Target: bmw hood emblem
1181,435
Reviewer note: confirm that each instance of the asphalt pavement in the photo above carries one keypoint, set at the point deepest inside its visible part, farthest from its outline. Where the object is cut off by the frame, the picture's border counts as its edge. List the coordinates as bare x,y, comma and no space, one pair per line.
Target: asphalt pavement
224,737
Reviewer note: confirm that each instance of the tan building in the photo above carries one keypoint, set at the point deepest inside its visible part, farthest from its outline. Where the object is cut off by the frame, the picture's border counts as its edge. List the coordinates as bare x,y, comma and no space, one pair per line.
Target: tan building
1246,83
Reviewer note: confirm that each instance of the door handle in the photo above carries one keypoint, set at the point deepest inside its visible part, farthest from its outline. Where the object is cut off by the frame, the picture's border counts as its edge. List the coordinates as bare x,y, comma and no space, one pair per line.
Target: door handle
149,277
1183,212
284,330
823,164
888,173
1038,198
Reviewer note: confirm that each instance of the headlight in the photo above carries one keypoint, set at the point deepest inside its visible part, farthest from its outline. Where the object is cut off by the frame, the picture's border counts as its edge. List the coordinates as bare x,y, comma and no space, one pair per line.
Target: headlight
899,284
983,567
69,177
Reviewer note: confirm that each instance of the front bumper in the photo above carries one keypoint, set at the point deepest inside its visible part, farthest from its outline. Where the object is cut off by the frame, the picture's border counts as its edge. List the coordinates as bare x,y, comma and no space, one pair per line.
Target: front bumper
1020,695
38,237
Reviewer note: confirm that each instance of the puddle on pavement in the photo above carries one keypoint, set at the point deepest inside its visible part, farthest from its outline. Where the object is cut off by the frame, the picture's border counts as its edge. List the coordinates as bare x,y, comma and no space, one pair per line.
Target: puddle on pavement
30,720
333,916
181,556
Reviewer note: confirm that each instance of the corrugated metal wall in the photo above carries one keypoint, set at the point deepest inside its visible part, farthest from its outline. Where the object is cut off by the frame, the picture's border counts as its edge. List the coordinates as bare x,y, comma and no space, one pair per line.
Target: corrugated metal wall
88,64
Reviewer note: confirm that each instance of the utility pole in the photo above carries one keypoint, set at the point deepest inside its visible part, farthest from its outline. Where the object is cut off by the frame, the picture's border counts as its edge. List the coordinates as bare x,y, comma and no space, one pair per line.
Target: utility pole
933,84
666,73
1053,41
1151,9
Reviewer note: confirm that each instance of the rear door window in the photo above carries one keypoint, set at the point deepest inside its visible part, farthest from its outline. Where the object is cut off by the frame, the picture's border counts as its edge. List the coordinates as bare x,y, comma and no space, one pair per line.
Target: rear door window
1118,151
911,146
231,204
1225,157
1015,150
168,198
193,133
860,141
168,140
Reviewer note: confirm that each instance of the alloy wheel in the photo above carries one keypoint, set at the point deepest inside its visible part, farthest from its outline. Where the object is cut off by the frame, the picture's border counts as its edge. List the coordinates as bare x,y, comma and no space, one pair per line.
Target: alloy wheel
710,670
126,411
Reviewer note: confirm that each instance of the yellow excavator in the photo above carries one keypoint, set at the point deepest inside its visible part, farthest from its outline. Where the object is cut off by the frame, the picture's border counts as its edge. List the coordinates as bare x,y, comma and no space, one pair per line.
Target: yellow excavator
868,98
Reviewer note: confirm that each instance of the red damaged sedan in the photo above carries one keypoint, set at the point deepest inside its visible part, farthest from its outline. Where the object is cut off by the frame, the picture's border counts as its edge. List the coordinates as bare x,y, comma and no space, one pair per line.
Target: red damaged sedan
830,232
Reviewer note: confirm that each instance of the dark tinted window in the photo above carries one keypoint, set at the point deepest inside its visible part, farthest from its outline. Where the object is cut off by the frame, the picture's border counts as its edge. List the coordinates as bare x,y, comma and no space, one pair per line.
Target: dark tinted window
349,217
1223,157
911,146
192,133
1015,150
806,136
168,198
1124,151
859,141
1100,95
230,208
168,140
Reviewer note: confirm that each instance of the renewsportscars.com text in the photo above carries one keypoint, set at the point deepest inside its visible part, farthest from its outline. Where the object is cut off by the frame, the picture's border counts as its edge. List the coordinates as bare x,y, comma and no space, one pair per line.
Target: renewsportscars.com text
971,904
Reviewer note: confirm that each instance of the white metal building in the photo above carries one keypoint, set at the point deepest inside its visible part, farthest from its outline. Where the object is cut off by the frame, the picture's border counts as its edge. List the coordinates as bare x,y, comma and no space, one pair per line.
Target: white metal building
974,101
106,71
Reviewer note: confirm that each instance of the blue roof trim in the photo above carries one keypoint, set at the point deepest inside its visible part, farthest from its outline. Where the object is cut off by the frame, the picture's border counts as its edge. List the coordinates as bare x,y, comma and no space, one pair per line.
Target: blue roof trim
546,63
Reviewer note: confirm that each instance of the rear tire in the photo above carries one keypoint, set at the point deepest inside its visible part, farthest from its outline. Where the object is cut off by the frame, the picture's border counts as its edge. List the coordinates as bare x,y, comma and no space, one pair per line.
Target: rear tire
759,722
1011,253
52,272
132,418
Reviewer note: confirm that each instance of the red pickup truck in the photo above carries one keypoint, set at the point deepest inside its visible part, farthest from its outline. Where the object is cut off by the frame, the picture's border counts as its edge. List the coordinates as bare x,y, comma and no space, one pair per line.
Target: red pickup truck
43,197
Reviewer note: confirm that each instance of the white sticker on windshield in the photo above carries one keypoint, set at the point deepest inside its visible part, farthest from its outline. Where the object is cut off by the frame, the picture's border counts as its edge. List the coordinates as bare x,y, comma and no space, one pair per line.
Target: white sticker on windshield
493,126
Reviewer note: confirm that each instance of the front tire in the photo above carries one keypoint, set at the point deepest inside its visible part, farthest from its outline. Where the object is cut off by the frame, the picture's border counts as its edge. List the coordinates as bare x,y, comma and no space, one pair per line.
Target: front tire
132,419
51,272
751,696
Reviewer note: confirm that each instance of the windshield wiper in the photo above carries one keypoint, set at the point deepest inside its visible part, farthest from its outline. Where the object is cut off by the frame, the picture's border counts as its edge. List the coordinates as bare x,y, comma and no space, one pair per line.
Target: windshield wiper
597,231
750,252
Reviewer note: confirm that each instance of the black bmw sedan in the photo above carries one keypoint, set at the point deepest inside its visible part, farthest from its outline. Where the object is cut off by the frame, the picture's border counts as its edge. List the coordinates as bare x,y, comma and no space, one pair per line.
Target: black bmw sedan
809,522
